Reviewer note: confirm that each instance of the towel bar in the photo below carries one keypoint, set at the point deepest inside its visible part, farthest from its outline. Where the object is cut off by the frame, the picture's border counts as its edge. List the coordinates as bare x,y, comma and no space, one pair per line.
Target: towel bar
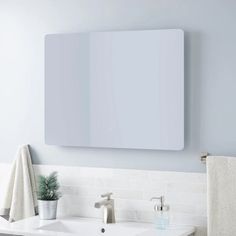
204,157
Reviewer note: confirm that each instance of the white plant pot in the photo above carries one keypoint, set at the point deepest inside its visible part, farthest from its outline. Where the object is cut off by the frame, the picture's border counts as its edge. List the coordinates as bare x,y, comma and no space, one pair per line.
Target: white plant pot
47,209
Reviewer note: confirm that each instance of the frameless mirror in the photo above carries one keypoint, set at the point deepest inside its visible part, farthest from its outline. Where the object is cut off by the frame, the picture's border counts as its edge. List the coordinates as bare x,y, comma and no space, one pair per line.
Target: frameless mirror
120,89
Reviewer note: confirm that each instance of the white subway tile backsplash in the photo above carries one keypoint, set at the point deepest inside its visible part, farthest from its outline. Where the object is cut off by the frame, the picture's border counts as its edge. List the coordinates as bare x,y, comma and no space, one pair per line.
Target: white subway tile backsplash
128,194
186,198
82,186
149,192
183,209
95,172
186,187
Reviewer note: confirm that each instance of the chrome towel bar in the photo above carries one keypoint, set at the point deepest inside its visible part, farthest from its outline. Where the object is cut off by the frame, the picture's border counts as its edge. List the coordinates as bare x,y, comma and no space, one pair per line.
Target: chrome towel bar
203,157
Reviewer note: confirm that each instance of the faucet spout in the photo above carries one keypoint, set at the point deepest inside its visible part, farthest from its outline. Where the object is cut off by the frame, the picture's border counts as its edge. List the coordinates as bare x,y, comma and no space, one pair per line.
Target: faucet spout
101,203
108,208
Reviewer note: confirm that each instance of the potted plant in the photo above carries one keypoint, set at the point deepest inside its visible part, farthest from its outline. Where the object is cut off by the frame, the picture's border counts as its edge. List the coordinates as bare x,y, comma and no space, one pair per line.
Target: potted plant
48,195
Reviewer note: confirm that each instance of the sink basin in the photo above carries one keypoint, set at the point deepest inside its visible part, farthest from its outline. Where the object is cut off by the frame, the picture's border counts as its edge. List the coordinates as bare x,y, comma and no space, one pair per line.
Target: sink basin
92,229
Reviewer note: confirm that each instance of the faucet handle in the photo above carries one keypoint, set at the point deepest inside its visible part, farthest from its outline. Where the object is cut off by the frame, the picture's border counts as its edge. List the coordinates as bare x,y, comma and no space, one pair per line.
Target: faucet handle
107,195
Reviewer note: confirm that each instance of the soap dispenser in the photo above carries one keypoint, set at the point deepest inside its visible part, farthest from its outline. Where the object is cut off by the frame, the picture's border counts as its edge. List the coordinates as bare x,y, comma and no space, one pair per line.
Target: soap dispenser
161,218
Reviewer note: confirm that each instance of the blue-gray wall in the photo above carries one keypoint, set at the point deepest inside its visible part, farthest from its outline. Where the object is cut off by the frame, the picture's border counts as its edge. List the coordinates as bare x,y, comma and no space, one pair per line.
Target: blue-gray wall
210,75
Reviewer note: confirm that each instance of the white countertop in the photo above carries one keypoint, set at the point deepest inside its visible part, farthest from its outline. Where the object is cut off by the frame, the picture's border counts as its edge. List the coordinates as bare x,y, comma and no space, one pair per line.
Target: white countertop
30,227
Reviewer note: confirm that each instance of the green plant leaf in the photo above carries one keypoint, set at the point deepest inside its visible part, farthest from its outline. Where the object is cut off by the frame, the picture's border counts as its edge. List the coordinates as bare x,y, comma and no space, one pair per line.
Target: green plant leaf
48,187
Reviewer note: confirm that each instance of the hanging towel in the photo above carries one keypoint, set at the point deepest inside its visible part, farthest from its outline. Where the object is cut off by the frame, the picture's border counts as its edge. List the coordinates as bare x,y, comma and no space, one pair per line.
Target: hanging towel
221,180
20,199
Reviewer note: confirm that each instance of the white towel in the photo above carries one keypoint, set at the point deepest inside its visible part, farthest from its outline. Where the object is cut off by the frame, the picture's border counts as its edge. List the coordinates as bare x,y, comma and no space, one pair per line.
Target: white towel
221,180
20,199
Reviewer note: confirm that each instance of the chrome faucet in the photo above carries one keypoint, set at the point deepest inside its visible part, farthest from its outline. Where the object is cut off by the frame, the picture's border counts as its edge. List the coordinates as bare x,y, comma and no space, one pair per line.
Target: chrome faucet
108,208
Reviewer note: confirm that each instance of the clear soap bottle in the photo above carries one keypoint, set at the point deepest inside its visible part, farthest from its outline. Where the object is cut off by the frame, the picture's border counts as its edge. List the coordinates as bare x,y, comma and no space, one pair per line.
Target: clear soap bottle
162,217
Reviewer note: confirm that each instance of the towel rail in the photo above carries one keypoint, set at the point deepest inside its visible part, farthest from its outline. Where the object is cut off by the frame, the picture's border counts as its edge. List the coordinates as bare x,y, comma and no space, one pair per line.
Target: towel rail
203,157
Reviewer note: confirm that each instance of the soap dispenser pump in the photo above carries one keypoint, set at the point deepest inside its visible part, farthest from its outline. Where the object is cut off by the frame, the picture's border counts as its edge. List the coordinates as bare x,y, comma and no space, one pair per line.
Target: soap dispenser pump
161,218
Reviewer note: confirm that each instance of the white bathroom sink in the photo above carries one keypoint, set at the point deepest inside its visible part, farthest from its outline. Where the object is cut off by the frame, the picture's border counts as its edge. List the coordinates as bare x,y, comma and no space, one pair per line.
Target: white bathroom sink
84,227
73,226
92,229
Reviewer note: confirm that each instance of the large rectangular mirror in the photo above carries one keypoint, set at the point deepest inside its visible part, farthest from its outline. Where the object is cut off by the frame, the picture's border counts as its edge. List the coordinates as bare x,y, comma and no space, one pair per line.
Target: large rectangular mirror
120,89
